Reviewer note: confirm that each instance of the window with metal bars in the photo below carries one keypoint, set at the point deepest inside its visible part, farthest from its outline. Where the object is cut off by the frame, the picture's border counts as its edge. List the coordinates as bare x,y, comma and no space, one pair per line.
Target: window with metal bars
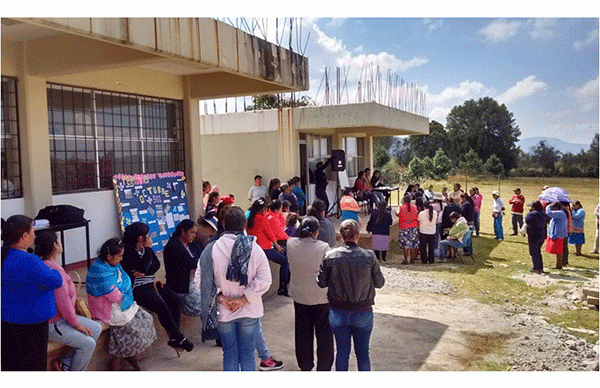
11,155
95,134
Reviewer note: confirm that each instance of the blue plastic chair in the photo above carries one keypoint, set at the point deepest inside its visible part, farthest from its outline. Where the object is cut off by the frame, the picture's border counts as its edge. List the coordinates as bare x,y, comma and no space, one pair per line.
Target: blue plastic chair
466,243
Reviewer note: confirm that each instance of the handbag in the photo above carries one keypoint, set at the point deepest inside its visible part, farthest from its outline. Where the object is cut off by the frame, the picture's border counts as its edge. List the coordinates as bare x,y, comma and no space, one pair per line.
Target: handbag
81,307
61,214
192,305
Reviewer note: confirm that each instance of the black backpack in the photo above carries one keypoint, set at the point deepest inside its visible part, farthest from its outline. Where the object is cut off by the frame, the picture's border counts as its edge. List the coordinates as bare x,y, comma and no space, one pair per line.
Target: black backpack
61,214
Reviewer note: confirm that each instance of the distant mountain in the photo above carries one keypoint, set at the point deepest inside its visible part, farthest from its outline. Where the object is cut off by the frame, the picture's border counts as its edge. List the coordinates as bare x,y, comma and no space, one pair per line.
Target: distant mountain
562,146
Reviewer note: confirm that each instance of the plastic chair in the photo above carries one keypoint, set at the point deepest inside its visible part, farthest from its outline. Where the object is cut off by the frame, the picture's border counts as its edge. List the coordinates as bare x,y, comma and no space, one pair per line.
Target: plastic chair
466,243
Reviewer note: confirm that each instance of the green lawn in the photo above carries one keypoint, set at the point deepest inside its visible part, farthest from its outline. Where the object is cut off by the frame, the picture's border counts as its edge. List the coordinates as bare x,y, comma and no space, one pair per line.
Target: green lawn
491,279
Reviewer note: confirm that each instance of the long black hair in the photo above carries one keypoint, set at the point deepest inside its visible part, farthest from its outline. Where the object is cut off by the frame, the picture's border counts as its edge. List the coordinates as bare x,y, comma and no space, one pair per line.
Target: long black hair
308,226
133,232
110,247
256,207
381,211
12,230
183,226
44,243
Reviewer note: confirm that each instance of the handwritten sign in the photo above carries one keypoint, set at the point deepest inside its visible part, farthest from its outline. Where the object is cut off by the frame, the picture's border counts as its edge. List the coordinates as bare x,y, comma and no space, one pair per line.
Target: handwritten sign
158,200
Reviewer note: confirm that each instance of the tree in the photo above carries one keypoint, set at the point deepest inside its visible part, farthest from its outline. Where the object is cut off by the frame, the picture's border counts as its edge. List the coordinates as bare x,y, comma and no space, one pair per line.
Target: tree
471,163
273,101
427,145
545,156
493,165
442,165
415,168
427,166
486,127
380,156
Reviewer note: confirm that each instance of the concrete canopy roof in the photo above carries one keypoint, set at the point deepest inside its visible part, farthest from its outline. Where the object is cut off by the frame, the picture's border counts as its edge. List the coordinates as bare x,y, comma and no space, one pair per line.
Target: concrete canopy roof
219,60
358,120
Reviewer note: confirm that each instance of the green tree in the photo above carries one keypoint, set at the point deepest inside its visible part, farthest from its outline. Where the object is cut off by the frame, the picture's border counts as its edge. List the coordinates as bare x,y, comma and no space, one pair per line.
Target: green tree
427,145
471,163
427,166
415,168
442,165
485,126
493,165
545,156
273,101
380,156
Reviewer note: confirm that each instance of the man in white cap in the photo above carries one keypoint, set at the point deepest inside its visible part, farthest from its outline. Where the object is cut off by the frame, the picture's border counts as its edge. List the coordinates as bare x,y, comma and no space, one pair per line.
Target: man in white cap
497,213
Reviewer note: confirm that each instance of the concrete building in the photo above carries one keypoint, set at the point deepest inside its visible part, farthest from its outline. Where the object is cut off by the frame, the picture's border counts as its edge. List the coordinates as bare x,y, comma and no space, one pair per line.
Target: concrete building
86,98
282,143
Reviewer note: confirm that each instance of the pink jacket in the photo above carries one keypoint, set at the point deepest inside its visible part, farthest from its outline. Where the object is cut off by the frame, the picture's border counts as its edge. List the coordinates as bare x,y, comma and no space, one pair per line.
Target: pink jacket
65,297
100,306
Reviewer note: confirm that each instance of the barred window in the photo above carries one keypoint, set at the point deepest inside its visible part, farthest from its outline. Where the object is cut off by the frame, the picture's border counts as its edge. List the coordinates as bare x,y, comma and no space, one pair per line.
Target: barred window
11,155
95,134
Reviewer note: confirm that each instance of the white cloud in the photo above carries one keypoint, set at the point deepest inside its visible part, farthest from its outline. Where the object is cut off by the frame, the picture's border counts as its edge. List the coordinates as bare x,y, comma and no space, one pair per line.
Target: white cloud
522,89
500,30
591,39
542,28
335,22
384,59
586,95
331,45
432,25
465,91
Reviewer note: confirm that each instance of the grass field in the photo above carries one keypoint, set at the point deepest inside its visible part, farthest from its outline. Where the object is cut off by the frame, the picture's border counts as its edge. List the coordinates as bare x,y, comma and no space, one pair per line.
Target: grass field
491,279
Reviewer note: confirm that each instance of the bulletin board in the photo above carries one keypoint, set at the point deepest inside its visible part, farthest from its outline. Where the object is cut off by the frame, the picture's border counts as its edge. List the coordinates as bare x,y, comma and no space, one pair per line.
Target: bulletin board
158,200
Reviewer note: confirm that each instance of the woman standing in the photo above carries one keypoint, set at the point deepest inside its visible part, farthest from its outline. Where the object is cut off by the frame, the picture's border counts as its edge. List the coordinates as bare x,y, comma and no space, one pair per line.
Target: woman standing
408,223
557,232
379,225
66,326
567,209
351,274
274,191
311,307
141,264
477,198
258,225
427,233
577,237
536,221
110,299
27,298
180,264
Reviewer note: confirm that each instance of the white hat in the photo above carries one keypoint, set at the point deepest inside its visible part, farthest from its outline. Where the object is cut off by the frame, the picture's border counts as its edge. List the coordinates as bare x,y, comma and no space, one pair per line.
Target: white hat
212,221
496,192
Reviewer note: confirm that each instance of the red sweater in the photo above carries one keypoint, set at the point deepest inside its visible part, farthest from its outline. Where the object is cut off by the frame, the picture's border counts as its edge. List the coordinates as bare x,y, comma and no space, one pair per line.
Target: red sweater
277,224
265,237
517,202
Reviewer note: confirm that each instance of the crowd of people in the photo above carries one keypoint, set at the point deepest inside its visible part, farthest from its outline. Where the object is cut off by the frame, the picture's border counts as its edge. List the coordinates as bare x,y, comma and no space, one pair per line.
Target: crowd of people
217,269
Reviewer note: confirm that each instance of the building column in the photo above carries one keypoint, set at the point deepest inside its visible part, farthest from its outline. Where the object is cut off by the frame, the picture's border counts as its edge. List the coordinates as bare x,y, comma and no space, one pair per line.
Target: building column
35,144
193,159
369,152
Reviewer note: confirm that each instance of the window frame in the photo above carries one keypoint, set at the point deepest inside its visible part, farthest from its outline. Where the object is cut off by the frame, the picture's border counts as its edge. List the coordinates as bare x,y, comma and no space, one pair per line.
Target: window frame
146,132
17,191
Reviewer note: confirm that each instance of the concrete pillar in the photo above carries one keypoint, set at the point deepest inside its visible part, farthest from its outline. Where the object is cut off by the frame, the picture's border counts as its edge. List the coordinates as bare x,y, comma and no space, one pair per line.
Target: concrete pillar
193,159
369,152
35,145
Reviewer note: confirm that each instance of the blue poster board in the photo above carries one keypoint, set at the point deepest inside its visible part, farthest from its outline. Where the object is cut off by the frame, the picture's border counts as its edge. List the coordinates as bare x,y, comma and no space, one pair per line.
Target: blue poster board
158,200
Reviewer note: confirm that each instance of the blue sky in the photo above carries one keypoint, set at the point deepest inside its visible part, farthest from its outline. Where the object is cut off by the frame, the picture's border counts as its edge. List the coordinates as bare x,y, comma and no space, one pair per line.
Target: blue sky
544,69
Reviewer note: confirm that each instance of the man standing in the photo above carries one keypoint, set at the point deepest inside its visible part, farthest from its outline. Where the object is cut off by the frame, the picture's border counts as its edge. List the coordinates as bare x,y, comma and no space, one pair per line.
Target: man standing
497,213
237,266
258,190
321,183
517,202
352,274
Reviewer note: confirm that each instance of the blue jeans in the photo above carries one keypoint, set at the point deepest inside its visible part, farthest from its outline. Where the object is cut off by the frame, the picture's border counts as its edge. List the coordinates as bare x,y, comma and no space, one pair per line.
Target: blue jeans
284,266
83,345
345,326
260,344
498,228
238,337
447,243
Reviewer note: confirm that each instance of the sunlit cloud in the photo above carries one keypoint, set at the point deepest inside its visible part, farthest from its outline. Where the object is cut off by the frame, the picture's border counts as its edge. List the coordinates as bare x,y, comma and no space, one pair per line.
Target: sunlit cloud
542,28
522,89
590,40
500,30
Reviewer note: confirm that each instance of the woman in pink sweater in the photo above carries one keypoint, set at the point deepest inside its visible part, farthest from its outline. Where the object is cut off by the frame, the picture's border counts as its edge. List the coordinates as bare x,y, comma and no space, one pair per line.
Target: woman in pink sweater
66,326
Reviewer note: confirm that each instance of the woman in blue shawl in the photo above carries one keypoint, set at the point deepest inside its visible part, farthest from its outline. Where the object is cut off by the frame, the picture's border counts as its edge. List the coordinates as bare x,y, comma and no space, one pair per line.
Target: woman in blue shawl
110,299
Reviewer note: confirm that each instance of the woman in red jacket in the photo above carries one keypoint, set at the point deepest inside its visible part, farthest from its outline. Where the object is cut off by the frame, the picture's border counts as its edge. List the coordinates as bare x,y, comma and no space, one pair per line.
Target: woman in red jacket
277,221
258,225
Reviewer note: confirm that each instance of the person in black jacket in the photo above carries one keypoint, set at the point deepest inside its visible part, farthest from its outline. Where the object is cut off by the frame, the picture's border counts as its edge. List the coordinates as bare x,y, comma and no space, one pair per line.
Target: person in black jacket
179,258
321,183
141,264
536,221
351,274
446,221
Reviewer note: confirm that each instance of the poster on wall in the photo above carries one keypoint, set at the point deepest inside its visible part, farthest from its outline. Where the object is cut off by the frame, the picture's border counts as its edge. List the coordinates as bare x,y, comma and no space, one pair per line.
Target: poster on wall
158,200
